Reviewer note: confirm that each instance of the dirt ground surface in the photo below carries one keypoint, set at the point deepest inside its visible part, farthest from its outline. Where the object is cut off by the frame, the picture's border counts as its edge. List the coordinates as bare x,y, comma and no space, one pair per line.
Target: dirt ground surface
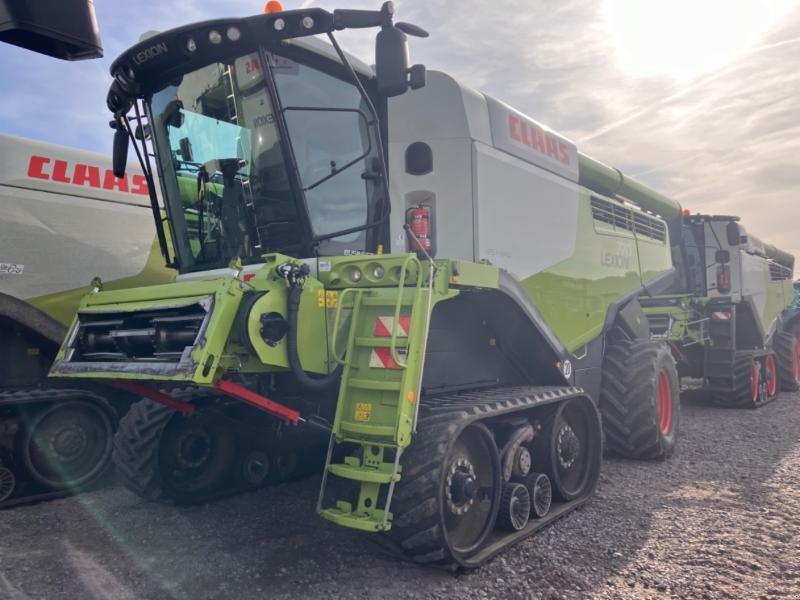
721,519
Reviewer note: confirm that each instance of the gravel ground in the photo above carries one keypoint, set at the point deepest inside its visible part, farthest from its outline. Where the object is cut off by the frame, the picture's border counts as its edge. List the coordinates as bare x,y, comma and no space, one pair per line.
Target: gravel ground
719,520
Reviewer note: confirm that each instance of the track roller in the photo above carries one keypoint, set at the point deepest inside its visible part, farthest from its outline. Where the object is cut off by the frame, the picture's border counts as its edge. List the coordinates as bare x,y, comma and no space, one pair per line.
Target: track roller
515,507
541,493
8,483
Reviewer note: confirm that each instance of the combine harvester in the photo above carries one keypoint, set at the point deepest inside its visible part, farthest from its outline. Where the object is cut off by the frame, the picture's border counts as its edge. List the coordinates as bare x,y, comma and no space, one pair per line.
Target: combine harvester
66,219
728,316
445,335
56,439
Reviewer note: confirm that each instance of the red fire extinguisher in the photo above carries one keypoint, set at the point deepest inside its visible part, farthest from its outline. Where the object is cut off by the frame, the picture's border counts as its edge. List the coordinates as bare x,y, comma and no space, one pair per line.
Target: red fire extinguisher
419,223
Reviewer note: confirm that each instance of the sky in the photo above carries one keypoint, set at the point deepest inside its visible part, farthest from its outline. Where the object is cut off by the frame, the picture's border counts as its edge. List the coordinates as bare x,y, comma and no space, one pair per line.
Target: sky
699,99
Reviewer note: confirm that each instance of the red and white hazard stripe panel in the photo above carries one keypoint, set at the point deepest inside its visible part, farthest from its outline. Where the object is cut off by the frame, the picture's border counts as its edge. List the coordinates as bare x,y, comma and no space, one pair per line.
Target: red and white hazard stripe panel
381,357
383,326
721,315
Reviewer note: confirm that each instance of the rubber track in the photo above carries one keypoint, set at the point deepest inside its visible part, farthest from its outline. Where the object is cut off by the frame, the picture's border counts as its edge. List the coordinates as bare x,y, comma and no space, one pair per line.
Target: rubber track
784,345
46,396
136,448
627,400
416,530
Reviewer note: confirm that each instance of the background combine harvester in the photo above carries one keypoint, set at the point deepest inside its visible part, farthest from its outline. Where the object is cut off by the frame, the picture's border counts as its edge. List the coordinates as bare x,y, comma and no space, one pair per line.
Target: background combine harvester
728,316
450,336
66,219
54,438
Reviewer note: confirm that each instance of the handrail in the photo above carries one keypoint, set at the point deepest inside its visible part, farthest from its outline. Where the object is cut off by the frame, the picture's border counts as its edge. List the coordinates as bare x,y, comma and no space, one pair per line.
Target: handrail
336,321
398,305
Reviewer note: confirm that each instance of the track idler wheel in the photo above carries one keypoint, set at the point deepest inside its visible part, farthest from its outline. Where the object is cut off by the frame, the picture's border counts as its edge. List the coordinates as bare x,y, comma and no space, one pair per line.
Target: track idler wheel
568,449
515,507
471,490
541,493
67,444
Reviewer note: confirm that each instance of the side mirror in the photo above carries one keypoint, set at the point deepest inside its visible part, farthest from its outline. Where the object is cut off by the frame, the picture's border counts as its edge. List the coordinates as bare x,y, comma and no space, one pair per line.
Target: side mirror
391,61
60,28
120,156
722,257
734,233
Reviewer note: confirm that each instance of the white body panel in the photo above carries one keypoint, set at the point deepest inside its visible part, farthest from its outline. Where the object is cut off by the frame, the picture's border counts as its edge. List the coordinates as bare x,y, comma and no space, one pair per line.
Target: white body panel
495,191
60,227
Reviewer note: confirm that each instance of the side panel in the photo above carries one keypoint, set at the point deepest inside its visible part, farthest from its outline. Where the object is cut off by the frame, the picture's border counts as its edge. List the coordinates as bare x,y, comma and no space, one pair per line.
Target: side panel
526,217
540,228
61,242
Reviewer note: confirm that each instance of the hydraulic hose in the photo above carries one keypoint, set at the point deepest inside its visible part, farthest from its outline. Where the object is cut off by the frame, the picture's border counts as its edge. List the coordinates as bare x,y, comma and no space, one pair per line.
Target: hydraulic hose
308,382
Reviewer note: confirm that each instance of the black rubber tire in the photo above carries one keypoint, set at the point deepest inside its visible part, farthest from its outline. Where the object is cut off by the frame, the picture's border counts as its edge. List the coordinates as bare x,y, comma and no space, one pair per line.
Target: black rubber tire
143,466
417,527
629,399
742,394
785,346
136,447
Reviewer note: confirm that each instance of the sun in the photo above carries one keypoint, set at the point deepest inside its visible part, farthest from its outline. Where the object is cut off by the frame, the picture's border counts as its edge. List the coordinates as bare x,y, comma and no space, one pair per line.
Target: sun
683,39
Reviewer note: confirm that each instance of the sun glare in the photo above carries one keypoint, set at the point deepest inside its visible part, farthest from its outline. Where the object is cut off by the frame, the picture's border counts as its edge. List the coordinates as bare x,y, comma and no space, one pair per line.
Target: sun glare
687,38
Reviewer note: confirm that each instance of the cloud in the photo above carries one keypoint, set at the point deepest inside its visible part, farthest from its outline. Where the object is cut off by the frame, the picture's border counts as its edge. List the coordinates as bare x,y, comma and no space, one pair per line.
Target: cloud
722,140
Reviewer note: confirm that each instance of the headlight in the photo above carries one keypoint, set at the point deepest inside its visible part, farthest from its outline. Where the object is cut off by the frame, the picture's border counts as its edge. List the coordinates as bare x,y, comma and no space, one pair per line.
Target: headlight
377,272
355,274
215,37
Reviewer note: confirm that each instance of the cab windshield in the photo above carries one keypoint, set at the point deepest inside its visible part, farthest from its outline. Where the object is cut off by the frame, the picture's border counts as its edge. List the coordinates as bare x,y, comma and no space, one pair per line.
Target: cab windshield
256,160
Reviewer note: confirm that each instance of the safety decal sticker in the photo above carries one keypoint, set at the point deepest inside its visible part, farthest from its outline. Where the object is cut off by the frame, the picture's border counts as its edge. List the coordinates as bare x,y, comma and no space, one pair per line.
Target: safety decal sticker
11,269
363,411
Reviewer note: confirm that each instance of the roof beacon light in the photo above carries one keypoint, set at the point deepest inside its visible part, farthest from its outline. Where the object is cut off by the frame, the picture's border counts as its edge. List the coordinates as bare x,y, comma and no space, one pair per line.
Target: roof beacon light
273,6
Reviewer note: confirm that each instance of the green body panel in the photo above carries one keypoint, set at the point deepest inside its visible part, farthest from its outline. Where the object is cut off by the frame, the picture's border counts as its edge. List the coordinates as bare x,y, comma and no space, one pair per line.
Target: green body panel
225,294
575,295
62,306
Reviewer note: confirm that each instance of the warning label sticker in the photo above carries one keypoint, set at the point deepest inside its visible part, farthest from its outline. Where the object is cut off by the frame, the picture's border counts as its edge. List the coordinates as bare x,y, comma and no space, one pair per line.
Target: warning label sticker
363,411
11,269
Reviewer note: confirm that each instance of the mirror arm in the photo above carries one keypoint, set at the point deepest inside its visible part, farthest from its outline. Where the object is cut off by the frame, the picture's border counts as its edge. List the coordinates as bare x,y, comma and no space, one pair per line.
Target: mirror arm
151,189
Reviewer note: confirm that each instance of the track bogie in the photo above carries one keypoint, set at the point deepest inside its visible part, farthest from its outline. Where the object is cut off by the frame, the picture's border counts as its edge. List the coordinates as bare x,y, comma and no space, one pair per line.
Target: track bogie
446,477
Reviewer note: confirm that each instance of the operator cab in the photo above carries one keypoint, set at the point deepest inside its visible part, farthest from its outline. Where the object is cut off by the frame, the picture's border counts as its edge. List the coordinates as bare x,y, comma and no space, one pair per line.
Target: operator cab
251,167
264,144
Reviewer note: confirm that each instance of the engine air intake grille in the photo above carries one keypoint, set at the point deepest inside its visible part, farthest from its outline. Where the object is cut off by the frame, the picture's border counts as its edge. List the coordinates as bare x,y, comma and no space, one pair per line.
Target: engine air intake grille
621,217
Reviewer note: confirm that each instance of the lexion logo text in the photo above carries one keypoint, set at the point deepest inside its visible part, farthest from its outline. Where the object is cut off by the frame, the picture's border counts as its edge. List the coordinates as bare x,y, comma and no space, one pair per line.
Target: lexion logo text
144,55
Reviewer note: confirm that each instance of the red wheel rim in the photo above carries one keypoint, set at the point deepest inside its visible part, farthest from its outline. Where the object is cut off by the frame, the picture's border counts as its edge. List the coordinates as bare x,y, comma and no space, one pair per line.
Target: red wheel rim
755,376
772,376
796,360
664,402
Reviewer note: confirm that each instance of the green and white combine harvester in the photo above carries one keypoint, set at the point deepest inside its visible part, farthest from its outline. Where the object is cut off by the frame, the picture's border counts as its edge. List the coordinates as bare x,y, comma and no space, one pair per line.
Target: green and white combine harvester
56,436
65,219
385,262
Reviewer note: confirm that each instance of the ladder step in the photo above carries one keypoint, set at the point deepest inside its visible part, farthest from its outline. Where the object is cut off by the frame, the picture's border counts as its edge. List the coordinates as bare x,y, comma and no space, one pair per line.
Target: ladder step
380,342
361,473
375,385
340,516
387,302
369,430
